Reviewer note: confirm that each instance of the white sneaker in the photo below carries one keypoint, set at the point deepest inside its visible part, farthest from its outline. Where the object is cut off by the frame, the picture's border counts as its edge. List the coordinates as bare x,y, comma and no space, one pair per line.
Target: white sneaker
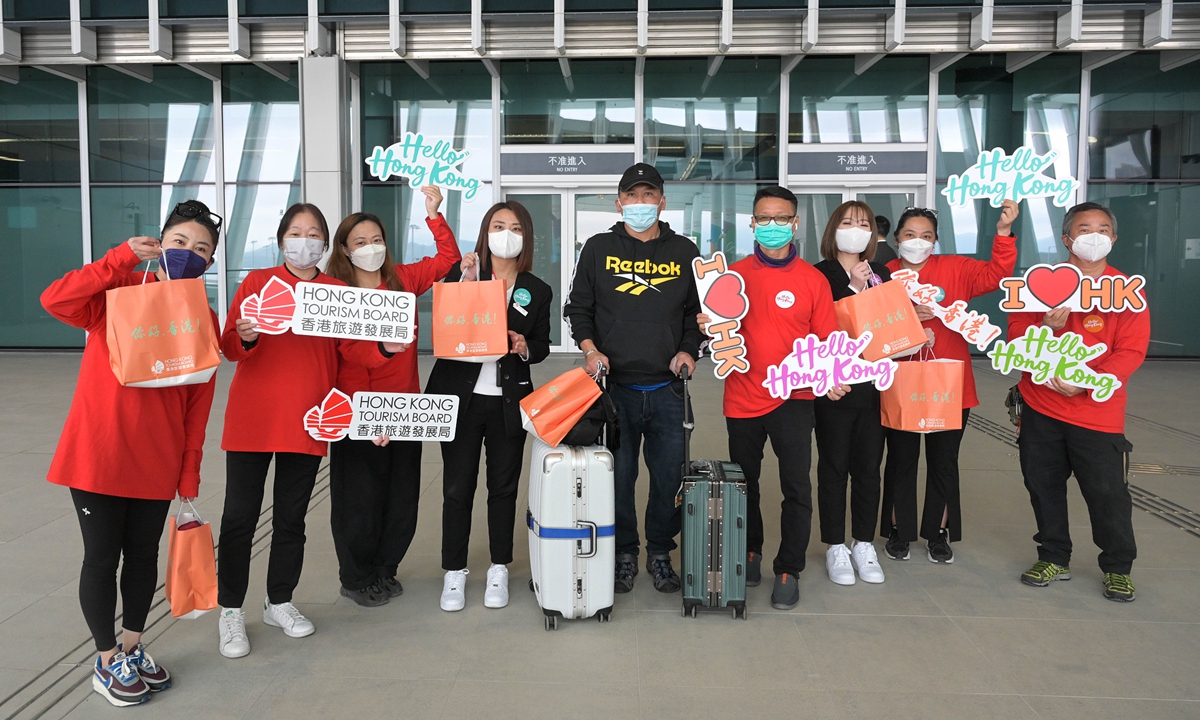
454,590
837,564
866,562
231,624
496,595
286,616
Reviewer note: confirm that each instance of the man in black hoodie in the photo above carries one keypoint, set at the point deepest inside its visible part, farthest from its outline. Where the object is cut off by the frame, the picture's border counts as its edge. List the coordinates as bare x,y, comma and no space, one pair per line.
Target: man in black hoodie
632,307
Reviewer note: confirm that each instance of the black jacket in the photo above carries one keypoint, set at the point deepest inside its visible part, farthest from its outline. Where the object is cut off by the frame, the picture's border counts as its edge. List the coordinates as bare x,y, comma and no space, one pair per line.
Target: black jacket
862,394
453,377
637,301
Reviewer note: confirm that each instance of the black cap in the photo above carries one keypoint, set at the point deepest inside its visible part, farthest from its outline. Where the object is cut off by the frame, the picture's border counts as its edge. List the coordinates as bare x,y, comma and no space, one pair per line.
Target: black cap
640,174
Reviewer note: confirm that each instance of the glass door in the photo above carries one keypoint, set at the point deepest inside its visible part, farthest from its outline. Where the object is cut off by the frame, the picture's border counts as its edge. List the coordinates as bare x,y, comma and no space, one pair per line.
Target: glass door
816,204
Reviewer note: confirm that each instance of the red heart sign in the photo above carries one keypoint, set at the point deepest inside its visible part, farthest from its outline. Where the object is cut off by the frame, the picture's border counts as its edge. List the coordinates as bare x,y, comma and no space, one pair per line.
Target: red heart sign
1052,286
725,297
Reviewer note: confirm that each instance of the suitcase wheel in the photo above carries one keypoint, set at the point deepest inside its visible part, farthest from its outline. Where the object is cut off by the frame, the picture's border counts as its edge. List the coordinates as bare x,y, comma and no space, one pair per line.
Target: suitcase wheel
604,615
531,585
694,611
551,622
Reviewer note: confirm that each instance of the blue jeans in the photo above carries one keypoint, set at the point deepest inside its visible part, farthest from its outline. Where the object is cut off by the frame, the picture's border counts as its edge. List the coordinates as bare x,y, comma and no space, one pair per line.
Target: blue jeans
657,416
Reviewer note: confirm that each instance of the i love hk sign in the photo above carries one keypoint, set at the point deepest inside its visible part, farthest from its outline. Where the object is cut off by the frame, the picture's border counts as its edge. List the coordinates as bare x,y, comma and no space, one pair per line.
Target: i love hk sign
825,364
998,176
424,163
1045,357
723,298
1046,287
973,326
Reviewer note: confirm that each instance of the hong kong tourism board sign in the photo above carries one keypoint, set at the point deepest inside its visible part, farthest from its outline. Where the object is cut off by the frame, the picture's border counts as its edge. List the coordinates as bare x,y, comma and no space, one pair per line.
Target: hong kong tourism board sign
997,177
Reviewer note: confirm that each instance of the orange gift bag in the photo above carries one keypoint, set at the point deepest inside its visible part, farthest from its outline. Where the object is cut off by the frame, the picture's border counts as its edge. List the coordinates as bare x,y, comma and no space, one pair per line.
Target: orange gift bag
924,397
191,585
553,409
888,313
161,334
470,320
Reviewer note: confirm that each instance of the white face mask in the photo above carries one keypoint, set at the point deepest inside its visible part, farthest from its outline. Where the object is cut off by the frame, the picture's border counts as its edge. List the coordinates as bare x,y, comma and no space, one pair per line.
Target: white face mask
915,251
1091,247
505,243
852,240
303,253
369,257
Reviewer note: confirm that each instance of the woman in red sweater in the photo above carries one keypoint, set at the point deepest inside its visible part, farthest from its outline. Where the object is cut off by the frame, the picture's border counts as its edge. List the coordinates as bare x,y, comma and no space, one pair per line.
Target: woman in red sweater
959,278
278,379
121,484
374,488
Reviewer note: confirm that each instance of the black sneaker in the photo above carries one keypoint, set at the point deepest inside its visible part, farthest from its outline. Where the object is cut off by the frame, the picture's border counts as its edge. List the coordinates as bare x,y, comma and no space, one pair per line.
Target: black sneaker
938,549
753,569
786,594
370,596
627,570
391,586
665,579
896,548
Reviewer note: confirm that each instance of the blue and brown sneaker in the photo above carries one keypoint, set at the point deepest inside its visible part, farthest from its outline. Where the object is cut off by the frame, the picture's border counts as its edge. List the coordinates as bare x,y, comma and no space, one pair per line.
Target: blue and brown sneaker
119,682
753,569
665,579
1118,587
154,675
626,571
1043,573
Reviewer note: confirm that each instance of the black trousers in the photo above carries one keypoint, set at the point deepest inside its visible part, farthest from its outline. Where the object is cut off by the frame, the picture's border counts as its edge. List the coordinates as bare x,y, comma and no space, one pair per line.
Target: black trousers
1051,450
789,428
245,481
849,445
116,528
373,495
941,483
481,425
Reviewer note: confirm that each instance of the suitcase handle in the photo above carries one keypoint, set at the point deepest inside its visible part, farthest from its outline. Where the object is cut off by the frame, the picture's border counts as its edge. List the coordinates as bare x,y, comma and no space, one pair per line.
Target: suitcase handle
689,421
592,533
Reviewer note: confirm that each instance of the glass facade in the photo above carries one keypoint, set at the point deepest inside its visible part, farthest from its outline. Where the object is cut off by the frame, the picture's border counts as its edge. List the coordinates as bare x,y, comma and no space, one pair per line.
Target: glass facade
592,106
829,103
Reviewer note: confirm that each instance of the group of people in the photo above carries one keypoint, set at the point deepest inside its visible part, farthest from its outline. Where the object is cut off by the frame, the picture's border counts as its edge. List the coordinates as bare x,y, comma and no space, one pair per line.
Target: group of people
633,308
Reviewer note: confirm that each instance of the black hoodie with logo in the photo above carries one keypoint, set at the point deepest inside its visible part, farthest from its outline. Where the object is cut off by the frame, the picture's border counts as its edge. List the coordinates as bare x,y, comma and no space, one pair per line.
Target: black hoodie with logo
637,302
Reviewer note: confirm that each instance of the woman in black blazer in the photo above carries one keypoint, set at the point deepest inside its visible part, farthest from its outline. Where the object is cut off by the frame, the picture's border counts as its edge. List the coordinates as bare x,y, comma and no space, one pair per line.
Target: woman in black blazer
488,410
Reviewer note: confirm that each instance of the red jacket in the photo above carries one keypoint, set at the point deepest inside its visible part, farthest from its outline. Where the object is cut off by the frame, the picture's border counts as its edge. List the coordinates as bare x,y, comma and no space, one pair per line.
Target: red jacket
1127,335
400,373
964,278
771,329
129,442
281,377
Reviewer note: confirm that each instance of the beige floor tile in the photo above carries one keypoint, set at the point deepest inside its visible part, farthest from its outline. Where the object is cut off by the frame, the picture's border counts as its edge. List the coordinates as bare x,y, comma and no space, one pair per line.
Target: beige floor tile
538,700
918,705
188,698
1075,708
699,700
289,698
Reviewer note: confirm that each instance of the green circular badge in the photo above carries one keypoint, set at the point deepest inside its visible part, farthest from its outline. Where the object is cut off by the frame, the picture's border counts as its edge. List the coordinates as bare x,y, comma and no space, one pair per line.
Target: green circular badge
521,296
941,294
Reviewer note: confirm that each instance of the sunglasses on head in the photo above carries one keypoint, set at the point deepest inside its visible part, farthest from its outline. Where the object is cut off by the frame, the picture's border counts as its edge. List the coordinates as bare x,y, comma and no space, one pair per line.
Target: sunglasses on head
187,210
926,212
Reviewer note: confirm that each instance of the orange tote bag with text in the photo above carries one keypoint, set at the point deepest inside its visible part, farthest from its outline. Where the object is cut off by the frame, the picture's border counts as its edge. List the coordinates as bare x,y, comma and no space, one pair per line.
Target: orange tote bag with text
553,409
924,397
888,313
161,334
470,320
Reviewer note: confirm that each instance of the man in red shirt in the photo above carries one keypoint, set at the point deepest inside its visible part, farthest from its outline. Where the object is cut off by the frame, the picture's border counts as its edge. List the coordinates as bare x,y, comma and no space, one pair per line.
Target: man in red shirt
1064,430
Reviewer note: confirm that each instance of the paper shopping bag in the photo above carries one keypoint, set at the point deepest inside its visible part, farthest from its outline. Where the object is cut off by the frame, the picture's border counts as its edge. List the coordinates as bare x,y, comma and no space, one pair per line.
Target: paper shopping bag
888,313
553,409
191,585
924,397
470,320
161,334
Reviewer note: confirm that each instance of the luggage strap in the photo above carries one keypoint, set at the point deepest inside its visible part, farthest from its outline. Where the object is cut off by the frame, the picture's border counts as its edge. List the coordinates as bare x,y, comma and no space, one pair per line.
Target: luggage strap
559,533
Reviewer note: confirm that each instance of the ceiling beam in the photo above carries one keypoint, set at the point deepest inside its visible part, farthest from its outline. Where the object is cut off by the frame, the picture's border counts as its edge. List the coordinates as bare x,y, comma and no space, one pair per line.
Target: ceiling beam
161,38
477,42
893,36
726,37
1096,60
1014,61
239,34
10,40
280,70
1069,25
397,32
212,71
1157,25
864,61
83,40
10,74
981,24
77,73
1171,59
142,72
643,26
809,39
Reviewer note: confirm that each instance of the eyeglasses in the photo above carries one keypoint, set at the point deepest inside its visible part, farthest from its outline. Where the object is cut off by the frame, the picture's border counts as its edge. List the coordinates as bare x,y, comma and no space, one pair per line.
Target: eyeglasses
926,212
764,220
187,210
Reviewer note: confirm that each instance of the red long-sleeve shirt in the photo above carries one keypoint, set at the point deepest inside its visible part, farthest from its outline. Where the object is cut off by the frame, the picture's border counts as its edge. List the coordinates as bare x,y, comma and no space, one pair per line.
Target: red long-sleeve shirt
129,442
281,377
785,304
964,278
399,374
1127,335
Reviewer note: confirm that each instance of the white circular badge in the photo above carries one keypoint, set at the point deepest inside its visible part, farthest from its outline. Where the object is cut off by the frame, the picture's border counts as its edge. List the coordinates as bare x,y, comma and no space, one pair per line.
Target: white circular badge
785,299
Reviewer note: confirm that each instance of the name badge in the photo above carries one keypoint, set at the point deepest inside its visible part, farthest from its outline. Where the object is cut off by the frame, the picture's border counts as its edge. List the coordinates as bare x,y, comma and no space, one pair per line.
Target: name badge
520,309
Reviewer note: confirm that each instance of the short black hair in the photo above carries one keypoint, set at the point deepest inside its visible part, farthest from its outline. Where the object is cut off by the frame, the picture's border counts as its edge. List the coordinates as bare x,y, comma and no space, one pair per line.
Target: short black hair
884,225
776,192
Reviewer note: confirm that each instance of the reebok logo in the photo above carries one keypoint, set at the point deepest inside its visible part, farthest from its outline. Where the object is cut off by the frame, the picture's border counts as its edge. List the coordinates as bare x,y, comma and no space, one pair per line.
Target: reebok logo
639,274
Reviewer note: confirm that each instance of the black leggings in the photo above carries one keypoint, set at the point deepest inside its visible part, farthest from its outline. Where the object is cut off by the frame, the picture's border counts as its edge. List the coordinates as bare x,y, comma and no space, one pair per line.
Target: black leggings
114,527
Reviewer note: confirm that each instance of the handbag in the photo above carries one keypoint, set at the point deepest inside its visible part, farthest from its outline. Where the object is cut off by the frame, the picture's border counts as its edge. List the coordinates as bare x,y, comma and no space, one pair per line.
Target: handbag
191,584
888,313
925,396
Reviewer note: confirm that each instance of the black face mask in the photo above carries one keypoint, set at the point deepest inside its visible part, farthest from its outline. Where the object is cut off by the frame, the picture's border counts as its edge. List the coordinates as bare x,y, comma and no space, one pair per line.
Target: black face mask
183,264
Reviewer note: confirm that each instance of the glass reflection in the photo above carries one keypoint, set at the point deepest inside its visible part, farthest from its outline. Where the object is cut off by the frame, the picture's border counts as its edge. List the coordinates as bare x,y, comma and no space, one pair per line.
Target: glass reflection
888,103
262,125
594,105
716,216
254,212
39,129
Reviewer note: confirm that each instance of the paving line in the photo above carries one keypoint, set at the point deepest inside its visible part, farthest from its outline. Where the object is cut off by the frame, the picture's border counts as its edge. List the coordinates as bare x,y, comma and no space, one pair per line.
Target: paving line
320,493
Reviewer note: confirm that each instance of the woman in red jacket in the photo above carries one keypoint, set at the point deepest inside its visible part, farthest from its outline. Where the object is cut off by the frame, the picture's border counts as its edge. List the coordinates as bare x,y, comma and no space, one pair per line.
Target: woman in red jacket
278,379
374,488
121,496
959,278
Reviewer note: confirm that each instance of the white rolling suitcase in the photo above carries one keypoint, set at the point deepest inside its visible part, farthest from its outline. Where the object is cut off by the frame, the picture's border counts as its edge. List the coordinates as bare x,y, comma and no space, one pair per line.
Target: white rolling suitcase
572,531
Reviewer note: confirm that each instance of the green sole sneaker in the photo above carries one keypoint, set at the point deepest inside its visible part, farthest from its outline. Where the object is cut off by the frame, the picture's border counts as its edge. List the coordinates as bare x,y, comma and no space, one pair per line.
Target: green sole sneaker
1118,587
1043,573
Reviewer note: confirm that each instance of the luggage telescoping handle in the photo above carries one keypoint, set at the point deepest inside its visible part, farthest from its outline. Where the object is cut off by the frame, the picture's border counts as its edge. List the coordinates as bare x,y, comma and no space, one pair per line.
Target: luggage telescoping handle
689,420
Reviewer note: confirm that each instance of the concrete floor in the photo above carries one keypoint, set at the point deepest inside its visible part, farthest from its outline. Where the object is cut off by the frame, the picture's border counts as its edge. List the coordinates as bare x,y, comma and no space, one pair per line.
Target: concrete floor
966,640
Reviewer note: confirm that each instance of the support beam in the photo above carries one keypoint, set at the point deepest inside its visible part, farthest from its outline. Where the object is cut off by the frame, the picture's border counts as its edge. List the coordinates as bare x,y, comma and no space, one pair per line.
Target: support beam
565,65
206,70
145,73
75,73
319,39
864,61
397,32
560,26
639,66
83,40
1070,25
279,70
643,26
726,38
10,74
1095,60
1171,59
714,64
325,134
491,67
161,38
981,24
789,63
477,43
809,40
239,34
1014,61
1157,26
940,61
10,40
420,67
894,29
